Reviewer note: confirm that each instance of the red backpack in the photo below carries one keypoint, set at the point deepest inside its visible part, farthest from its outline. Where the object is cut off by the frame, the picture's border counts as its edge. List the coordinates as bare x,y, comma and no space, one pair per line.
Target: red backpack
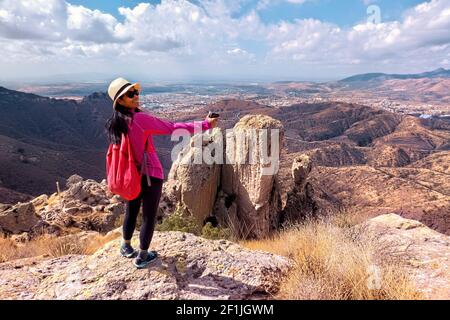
122,174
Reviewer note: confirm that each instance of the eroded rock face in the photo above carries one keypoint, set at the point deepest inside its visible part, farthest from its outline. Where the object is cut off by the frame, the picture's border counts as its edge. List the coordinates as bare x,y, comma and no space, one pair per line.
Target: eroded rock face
240,187
188,267
195,185
300,199
424,252
251,178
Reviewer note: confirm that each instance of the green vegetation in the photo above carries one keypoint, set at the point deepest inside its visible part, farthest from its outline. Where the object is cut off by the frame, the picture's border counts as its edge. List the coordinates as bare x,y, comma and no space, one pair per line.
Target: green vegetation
215,233
180,220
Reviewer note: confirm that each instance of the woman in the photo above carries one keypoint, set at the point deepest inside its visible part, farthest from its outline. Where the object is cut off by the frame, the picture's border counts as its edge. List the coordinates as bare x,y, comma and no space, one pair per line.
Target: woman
129,119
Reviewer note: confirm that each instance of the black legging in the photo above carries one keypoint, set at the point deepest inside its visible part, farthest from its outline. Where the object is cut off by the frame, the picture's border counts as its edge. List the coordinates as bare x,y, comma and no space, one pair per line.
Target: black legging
149,197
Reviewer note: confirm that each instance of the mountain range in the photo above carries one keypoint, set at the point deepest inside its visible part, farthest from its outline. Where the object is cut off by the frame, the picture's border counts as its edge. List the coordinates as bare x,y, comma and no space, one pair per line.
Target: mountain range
438,73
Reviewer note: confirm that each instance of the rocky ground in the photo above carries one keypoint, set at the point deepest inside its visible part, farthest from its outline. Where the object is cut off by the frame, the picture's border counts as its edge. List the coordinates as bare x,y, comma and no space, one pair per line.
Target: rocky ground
188,267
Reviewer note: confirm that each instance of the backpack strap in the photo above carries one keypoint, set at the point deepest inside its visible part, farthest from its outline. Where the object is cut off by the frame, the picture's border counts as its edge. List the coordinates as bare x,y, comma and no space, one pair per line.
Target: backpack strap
144,163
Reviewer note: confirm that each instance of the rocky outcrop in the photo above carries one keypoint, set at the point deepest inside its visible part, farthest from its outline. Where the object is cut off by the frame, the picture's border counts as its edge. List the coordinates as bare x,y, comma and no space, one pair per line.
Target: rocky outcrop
18,219
188,267
195,186
299,203
424,252
85,205
251,177
240,186
22,223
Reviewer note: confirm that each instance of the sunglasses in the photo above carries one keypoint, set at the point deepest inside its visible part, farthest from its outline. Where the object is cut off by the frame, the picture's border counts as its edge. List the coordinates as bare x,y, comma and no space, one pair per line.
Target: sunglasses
131,94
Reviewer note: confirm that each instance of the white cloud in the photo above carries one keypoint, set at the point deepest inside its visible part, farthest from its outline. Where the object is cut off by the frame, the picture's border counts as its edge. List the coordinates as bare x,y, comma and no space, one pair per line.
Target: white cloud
241,55
423,29
27,19
185,37
56,20
92,26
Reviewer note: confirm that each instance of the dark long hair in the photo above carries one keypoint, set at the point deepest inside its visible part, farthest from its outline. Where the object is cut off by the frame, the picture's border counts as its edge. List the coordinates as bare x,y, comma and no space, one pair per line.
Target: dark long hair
118,123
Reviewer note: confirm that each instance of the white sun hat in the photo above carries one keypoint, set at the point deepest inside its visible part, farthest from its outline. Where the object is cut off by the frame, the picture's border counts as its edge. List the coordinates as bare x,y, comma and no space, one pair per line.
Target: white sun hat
119,87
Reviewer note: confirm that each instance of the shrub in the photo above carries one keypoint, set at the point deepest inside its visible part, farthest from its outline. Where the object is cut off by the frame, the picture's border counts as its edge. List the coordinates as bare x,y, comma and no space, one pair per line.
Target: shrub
215,233
180,221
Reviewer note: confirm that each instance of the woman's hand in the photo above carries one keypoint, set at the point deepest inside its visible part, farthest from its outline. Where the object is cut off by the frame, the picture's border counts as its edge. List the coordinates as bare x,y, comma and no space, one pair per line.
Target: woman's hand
212,121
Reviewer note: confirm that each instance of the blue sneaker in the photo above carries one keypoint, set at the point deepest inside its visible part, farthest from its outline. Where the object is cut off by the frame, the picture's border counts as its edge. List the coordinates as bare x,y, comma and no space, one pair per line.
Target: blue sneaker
141,263
127,251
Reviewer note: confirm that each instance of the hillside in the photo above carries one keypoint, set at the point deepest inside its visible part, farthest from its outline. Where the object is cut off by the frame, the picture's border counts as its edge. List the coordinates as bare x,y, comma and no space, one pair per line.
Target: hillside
45,140
438,73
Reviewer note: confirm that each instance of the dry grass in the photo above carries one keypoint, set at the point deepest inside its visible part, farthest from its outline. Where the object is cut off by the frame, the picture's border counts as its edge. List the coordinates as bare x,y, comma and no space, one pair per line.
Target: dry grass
99,241
330,264
52,246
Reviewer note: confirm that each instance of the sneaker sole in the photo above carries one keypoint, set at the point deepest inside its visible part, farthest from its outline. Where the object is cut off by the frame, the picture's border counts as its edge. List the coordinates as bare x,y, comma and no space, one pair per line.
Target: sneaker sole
146,265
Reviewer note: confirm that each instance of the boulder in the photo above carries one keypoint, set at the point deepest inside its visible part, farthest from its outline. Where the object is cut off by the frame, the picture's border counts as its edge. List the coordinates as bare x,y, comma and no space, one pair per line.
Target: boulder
424,252
20,218
78,191
194,185
73,179
188,267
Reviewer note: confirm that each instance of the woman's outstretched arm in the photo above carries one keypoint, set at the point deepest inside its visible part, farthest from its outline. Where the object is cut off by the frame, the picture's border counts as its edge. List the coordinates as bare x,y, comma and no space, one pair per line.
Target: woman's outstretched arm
156,125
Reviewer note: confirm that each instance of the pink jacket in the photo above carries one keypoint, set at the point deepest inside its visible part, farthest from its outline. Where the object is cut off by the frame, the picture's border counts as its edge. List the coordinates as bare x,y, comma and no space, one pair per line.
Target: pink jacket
145,124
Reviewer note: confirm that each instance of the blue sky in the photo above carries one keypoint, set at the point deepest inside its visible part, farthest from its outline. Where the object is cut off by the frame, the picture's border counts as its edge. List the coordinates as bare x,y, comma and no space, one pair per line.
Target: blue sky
341,12
222,39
